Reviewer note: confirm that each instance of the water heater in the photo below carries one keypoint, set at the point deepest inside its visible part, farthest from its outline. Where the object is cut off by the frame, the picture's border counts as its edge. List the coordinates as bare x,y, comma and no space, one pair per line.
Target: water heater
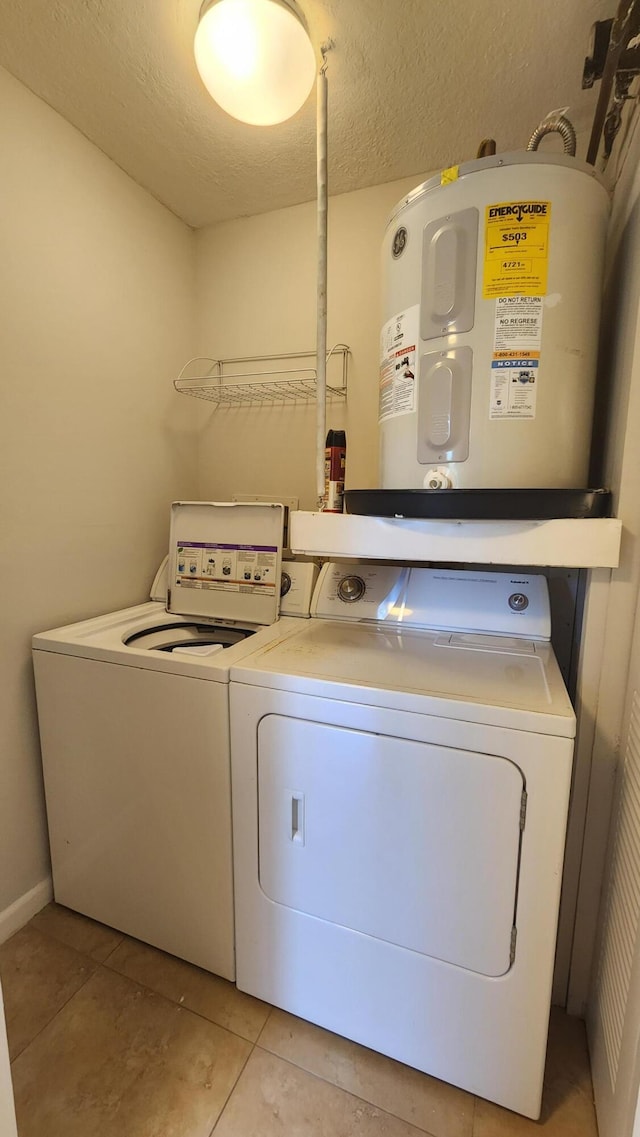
492,278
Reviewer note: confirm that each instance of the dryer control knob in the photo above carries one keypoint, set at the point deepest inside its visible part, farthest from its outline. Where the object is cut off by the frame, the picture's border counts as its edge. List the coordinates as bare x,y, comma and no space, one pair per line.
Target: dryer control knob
351,588
518,601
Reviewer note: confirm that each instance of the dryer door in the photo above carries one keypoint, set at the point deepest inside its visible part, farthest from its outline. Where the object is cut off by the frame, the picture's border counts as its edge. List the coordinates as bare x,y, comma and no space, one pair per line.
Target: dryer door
406,841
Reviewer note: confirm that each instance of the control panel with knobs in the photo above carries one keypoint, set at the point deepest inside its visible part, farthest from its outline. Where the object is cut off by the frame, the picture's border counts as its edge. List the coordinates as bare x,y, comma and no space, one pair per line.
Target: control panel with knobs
358,591
351,588
470,601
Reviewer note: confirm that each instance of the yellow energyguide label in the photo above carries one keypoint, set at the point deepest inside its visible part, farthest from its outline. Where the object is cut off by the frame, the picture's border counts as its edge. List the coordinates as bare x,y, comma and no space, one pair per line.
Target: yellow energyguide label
516,248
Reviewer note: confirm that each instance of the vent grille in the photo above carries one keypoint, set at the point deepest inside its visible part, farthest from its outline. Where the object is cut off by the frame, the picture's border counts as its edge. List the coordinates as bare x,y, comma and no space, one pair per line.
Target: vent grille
623,900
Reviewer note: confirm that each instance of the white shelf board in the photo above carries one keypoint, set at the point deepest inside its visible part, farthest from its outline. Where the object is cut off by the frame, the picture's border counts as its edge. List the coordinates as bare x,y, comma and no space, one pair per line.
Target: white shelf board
563,542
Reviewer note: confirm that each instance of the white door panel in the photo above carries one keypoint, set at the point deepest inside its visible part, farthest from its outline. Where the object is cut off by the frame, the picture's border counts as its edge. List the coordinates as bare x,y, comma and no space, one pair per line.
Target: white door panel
409,842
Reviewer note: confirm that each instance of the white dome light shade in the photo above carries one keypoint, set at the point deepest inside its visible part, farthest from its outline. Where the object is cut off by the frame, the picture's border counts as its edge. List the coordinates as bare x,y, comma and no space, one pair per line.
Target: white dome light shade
255,59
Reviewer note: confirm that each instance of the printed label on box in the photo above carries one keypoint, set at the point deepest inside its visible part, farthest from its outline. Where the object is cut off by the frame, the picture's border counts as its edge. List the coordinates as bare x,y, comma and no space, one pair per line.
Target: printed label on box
226,568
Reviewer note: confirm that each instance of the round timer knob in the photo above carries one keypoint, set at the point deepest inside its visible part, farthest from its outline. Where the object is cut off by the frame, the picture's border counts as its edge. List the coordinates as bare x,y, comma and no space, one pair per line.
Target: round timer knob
351,588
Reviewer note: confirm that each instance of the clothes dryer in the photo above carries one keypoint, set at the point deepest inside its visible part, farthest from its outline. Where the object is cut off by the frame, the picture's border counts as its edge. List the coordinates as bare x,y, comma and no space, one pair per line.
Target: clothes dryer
134,725
401,769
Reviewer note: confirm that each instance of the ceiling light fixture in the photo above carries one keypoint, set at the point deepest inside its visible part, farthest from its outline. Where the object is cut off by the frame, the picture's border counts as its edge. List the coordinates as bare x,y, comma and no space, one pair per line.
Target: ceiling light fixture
255,58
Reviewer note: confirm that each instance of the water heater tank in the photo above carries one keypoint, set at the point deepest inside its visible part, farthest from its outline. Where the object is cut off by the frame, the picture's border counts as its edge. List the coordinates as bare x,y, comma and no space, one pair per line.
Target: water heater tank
491,297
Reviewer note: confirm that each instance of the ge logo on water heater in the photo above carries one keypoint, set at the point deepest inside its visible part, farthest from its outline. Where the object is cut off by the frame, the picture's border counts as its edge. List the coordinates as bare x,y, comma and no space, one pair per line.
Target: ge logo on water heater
399,242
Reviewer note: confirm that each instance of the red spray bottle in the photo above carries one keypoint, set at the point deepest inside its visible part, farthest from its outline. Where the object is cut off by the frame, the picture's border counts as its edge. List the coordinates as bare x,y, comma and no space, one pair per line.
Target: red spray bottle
335,456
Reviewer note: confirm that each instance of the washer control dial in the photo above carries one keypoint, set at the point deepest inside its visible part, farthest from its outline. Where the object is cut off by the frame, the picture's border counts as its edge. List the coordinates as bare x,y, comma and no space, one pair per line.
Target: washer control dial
518,601
351,588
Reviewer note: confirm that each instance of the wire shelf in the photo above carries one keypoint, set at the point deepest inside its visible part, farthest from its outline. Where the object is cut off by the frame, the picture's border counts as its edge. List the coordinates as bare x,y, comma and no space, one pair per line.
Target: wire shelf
221,381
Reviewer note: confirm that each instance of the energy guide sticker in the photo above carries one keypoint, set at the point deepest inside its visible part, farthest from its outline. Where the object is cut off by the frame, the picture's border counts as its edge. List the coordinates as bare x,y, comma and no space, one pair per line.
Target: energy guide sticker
516,248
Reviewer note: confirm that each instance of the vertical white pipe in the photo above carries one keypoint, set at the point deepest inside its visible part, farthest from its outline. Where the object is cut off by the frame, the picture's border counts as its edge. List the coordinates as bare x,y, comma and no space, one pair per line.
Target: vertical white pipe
321,329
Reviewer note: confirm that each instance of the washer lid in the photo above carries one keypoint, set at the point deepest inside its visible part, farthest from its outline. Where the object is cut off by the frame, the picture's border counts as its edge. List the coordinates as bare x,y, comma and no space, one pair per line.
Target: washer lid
224,560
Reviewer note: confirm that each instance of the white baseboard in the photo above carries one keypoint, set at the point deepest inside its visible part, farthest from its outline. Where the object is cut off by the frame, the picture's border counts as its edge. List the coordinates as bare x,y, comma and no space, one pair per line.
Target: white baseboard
20,912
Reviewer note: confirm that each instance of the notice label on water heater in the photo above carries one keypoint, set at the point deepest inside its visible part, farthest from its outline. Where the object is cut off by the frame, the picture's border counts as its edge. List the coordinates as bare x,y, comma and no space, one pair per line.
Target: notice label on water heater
516,249
516,357
514,387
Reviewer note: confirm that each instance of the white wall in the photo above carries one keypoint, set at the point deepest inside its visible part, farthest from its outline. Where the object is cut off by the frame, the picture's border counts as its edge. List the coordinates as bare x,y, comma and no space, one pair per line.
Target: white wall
97,289
256,293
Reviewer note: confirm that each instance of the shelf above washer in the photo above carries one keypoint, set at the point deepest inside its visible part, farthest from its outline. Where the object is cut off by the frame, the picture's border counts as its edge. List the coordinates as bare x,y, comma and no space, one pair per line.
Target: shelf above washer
227,382
568,543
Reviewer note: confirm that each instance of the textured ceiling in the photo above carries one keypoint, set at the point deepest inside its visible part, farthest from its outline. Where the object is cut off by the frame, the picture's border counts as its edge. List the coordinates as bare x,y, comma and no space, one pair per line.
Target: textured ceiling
413,85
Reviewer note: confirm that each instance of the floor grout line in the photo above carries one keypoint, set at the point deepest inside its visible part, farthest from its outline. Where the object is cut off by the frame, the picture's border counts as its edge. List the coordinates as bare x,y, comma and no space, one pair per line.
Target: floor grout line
358,1097
113,950
105,963
264,1025
65,943
99,964
232,1090
54,1016
183,1006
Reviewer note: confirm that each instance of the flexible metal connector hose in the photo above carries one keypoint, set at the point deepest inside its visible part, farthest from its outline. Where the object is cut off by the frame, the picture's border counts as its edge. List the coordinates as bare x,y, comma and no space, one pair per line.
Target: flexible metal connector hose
555,124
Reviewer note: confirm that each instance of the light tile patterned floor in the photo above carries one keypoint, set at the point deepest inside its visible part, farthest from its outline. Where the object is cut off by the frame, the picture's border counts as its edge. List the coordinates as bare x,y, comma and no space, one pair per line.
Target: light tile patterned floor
111,1038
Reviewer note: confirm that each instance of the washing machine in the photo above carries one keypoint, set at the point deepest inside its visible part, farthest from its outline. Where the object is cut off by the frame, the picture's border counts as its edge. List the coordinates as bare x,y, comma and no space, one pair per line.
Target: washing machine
401,769
134,726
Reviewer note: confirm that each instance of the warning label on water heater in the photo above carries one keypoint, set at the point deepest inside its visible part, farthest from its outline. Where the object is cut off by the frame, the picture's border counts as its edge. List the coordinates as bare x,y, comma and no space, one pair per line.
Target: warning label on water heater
516,248
518,324
515,363
398,364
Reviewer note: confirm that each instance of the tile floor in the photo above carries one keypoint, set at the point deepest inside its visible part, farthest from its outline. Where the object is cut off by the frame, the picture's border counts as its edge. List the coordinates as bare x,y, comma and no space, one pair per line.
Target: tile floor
111,1038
